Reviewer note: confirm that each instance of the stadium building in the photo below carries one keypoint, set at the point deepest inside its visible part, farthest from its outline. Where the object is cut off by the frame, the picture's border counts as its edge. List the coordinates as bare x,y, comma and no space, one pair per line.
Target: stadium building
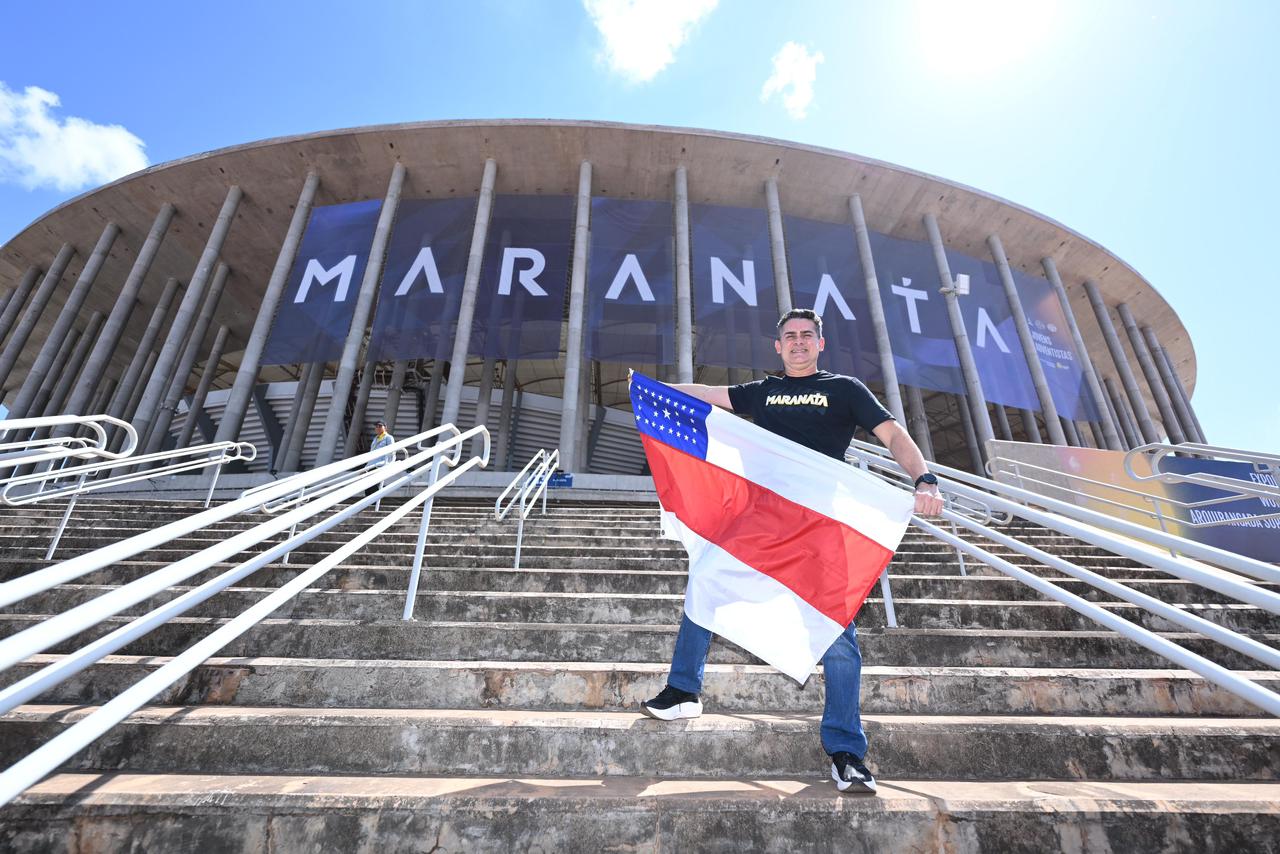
290,292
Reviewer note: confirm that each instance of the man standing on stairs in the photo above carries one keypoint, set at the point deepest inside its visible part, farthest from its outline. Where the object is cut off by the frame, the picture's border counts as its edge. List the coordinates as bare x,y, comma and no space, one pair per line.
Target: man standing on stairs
821,411
381,439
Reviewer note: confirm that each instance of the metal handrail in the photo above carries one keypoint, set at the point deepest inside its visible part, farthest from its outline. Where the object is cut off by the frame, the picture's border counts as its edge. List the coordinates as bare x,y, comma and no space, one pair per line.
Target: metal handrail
1263,464
396,474
85,476
50,449
529,486
1090,526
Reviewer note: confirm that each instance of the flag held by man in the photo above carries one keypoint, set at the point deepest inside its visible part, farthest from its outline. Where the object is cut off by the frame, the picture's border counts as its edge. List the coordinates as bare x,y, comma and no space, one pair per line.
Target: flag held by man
784,543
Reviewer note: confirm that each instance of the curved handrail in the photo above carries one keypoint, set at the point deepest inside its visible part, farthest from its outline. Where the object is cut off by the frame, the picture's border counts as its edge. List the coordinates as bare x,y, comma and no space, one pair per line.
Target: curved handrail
529,486
1156,452
394,475
46,449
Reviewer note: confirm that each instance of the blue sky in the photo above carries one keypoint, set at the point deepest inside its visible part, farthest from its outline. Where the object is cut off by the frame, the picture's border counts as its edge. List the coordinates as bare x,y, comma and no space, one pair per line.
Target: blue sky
1148,126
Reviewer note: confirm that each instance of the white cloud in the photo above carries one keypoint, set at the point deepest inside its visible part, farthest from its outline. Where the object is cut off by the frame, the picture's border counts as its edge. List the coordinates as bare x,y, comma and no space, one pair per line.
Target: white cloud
641,37
794,70
40,149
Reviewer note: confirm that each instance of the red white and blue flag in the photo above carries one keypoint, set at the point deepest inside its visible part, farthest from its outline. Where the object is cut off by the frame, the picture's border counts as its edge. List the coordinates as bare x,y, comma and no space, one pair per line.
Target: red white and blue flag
784,543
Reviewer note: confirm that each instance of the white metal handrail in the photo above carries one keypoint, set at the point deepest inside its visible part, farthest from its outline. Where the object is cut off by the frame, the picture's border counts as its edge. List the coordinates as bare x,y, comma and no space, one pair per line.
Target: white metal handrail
15,453
73,481
1091,527
1265,465
529,485
425,463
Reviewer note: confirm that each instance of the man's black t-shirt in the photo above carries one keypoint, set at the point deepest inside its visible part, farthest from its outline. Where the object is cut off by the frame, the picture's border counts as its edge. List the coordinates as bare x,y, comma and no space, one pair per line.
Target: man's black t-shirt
819,411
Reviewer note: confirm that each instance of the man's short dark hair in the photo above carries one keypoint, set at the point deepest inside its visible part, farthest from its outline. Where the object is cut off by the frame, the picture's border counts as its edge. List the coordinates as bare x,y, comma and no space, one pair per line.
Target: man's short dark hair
803,314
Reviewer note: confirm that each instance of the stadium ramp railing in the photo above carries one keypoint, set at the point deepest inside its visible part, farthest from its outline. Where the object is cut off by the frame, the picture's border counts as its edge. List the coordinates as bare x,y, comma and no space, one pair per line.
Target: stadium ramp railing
1226,573
525,489
101,469
419,470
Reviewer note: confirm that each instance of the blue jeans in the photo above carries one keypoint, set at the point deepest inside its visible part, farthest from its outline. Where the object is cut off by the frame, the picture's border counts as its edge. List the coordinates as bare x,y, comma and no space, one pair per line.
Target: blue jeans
842,666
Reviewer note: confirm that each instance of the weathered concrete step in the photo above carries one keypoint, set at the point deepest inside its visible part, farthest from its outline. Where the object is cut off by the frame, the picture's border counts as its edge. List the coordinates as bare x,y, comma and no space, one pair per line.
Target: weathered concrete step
638,609
950,585
245,740
416,640
301,814
569,686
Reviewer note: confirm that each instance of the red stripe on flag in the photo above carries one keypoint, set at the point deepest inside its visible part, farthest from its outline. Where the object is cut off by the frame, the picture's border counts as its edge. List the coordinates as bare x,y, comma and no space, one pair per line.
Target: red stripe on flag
822,560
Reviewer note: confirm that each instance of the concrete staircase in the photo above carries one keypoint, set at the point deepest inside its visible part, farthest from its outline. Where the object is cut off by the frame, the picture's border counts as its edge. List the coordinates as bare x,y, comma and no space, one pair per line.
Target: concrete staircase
504,717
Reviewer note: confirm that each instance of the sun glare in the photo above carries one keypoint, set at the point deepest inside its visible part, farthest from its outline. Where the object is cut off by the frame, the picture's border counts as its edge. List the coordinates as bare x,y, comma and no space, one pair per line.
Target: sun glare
966,38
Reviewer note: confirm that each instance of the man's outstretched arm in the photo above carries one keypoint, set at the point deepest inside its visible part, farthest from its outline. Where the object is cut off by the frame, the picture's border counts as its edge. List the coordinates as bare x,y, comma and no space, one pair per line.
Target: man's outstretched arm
907,454
716,395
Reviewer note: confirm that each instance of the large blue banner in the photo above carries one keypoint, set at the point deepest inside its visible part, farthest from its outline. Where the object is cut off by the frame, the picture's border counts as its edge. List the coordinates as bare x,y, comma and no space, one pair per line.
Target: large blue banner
735,307
422,280
1057,352
320,295
630,283
520,306
826,276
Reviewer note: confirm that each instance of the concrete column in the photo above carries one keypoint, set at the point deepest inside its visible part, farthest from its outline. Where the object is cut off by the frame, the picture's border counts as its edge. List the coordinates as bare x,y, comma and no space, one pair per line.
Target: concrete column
21,332
1030,426
1110,434
433,396
1145,425
56,370
17,299
1171,387
251,360
135,397
1132,436
976,454
185,318
504,439
1167,417
684,287
888,370
329,447
470,285
202,388
357,427
781,276
101,399
134,373
918,421
186,361
1002,422
293,454
1073,436
291,421
570,438
1043,394
1162,356
112,330
973,385
392,406
57,403
23,404
483,398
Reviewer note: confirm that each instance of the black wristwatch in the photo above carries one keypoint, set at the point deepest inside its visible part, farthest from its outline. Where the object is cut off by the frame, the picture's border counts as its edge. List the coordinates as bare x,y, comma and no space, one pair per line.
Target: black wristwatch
928,477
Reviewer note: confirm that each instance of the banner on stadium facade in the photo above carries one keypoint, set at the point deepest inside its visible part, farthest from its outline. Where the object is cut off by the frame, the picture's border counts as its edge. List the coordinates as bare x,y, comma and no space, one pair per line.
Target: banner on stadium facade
735,306
320,295
417,314
631,283
827,276
523,278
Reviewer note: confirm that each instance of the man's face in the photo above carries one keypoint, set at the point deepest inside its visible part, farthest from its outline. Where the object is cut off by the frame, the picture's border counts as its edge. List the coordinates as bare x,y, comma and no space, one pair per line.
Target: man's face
799,345
379,429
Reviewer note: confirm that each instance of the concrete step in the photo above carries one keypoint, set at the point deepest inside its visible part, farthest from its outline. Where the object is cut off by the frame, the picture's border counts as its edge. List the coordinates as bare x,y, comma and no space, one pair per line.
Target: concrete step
249,740
640,609
568,686
397,639
285,814
950,585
